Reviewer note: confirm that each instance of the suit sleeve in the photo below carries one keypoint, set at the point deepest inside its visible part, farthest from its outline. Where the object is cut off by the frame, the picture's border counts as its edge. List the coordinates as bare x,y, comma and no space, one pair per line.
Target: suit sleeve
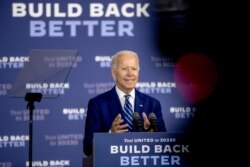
92,125
158,113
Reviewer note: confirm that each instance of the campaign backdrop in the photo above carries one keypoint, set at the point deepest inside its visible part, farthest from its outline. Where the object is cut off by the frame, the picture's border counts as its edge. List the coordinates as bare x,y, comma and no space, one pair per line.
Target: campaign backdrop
176,68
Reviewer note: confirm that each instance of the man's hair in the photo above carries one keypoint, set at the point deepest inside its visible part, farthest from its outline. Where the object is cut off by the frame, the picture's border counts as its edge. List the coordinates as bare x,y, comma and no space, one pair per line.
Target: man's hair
123,52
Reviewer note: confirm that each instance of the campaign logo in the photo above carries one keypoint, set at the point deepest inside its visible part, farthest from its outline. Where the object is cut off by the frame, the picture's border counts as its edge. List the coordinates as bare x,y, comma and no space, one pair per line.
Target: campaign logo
183,112
73,139
50,163
23,115
13,62
156,87
4,88
75,114
13,141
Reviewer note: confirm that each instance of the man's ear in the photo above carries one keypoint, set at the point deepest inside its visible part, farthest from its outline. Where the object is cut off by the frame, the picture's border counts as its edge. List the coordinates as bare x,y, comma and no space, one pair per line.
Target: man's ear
113,74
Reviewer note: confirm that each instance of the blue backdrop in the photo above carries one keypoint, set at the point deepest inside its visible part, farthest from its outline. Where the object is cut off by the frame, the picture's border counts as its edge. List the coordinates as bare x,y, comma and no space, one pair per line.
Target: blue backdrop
175,68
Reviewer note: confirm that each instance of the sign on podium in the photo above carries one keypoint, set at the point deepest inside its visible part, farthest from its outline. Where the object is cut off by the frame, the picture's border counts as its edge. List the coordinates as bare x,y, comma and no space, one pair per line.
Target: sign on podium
141,149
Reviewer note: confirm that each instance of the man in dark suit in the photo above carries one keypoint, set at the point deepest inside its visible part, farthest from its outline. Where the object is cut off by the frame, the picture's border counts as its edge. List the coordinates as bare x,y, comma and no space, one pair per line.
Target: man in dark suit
105,112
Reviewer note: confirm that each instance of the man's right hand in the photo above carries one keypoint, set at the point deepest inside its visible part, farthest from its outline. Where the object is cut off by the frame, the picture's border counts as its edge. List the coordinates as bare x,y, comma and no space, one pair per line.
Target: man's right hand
117,126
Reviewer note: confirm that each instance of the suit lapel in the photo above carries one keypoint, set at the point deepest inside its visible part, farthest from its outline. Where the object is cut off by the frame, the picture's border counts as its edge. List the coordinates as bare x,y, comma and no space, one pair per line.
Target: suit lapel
115,102
138,102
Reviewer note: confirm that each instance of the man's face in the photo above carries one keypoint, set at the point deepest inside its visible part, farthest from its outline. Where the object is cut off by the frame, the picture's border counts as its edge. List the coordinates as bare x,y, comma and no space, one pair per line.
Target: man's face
127,72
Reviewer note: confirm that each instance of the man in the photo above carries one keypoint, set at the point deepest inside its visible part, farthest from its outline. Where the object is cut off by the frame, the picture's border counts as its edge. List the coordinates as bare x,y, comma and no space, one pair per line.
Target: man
105,112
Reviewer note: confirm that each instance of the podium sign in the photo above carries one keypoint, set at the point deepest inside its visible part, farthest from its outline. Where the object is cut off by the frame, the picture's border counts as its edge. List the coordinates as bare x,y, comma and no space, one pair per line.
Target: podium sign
141,149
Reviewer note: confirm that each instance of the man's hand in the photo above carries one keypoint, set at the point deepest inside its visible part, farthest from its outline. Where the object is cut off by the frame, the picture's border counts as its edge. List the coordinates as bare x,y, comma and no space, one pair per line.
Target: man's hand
146,123
117,126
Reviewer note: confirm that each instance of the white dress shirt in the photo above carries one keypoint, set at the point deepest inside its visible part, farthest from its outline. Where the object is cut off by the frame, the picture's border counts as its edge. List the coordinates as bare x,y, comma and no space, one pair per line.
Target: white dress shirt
122,98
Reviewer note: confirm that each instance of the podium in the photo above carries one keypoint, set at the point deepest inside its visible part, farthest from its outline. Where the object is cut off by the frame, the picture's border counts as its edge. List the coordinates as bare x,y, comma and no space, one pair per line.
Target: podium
141,149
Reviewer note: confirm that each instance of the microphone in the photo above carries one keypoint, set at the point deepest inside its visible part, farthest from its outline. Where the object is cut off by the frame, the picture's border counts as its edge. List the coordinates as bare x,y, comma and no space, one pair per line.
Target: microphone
137,122
153,121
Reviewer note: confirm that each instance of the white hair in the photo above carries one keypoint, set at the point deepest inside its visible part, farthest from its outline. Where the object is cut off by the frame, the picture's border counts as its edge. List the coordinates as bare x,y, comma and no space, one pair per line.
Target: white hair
123,52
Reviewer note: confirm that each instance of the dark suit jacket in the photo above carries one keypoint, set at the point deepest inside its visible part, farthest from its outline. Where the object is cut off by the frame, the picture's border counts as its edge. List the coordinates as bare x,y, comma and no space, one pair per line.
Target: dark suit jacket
103,109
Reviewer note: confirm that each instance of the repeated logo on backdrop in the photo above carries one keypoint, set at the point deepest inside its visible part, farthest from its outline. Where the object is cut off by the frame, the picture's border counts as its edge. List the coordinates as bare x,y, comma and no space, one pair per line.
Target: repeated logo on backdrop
13,62
96,30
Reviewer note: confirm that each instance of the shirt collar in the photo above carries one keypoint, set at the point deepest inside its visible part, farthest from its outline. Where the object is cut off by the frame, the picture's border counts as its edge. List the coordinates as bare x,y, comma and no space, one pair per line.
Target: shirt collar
121,93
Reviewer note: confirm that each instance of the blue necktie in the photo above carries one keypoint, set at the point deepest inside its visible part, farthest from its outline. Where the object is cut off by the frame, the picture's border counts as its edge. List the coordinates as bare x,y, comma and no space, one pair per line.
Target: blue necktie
128,111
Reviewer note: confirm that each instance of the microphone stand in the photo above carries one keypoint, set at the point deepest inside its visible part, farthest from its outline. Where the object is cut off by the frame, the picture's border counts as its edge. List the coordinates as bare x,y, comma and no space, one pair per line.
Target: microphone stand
31,98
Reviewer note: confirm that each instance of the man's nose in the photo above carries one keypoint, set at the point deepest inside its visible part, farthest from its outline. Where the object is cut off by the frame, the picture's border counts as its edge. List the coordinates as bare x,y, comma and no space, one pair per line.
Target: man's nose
129,71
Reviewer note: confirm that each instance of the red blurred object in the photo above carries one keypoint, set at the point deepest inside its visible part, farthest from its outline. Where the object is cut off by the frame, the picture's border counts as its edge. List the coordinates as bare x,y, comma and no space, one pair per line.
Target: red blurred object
195,76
